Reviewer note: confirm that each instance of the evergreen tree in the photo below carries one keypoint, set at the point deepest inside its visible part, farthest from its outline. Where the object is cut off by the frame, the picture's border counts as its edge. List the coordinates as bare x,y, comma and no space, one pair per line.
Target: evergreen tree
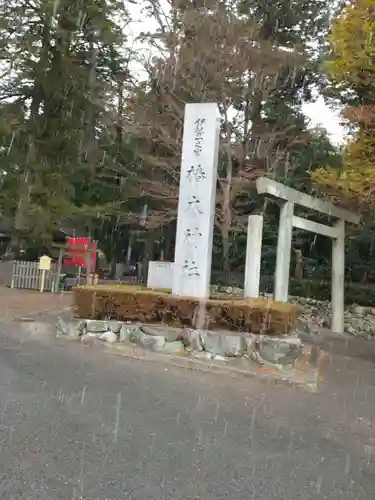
62,59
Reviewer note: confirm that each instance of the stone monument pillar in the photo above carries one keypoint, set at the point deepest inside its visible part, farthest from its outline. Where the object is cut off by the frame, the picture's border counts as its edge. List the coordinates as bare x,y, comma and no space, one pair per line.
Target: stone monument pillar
253,255
196,205
284,246
338,278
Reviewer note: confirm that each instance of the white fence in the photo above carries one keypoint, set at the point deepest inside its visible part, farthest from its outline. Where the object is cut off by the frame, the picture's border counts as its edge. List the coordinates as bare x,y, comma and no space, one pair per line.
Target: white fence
28,275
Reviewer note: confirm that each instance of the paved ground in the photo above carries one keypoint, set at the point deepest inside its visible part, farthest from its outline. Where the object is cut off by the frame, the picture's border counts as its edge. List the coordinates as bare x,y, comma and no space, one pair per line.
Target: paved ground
76,423
16,303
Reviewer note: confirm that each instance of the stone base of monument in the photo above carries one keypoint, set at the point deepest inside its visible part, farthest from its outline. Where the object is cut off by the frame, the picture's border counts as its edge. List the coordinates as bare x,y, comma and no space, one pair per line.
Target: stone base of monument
139,304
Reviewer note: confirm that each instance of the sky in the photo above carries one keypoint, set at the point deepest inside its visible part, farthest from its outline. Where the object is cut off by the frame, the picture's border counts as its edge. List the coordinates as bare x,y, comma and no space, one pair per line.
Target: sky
320,114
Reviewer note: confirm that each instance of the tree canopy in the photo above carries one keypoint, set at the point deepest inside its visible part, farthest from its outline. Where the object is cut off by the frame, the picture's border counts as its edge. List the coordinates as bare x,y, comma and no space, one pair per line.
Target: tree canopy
86,143
352,81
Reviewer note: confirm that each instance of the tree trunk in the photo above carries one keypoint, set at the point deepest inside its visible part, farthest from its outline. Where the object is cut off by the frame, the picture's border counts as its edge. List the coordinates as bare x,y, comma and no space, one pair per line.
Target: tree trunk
147,253
25,183
227,208
129,249
26,179
298,270
226,250
169,241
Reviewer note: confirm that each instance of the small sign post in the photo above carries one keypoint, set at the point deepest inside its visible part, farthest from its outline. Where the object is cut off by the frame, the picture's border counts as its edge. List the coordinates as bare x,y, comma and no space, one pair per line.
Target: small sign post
44,265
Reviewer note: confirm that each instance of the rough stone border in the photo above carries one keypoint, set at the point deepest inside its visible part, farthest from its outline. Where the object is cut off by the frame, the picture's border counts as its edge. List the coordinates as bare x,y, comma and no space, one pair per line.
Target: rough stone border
272,377
269,375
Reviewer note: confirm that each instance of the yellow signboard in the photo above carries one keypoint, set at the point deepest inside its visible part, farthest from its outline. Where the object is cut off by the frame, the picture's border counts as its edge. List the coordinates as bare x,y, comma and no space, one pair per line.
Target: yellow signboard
45,263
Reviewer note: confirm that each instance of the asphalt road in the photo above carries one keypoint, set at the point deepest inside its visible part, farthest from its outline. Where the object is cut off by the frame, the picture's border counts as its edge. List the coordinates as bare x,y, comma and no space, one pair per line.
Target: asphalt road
77,423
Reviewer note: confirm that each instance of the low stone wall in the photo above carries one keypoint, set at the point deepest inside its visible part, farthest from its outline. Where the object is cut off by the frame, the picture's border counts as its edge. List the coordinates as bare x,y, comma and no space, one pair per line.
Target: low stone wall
359,320
186,342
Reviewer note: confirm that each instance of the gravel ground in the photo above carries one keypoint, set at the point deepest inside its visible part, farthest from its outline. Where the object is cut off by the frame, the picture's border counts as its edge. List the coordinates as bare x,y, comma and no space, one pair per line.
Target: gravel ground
16,303
77,423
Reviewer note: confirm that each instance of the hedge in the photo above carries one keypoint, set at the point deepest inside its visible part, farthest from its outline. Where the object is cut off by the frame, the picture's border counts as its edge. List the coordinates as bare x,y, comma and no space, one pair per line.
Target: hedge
138,304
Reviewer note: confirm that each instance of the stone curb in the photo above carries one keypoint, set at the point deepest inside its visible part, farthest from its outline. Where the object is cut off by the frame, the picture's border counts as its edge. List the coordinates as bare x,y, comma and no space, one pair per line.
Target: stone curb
308,381
271,377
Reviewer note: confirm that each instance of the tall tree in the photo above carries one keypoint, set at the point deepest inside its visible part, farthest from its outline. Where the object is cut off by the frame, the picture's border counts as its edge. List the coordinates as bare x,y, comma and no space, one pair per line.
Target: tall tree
61,61
255,67
352,74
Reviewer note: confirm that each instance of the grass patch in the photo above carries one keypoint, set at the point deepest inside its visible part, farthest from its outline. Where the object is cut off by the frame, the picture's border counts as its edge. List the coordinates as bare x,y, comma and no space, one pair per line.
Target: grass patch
137,303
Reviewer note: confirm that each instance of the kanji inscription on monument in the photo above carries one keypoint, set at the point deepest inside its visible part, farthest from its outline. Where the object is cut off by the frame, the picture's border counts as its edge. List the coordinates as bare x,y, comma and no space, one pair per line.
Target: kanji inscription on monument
196,207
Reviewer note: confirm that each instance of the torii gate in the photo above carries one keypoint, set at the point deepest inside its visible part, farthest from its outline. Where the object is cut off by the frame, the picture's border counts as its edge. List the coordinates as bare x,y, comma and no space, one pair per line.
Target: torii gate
288,220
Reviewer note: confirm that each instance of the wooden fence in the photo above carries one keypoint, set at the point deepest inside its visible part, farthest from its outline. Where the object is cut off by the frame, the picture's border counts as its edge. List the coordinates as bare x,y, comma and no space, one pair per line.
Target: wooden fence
28,275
